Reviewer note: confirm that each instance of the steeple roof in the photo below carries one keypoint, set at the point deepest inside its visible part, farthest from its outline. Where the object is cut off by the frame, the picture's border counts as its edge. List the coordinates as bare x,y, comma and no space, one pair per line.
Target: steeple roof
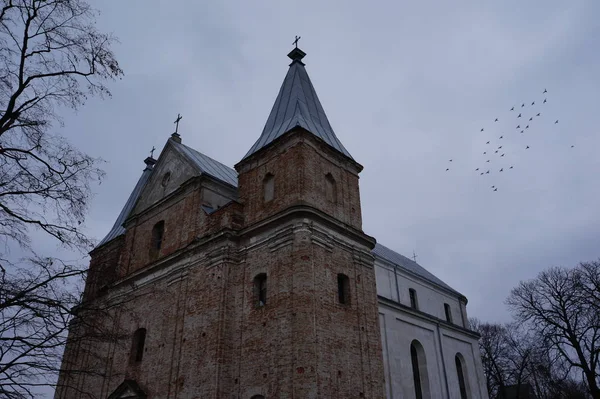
297,104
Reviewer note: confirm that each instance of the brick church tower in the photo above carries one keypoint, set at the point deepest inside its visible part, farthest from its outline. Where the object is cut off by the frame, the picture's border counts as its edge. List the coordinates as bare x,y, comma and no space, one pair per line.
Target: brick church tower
255,283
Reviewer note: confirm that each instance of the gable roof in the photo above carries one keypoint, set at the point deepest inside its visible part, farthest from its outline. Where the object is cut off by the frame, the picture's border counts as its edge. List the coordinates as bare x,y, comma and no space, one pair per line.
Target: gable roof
402,261
129,389
118,228
296,105
204,164
207,165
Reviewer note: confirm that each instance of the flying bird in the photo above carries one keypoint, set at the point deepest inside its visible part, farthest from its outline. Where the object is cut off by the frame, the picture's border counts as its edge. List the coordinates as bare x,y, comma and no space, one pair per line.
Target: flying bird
487,173
511,167
518,126
512,109
476,169
502,155
450,161
488,142
496,189
527,147
527,127
572,146
556,122
484,152
496,120
447,169
495,152
522,105
531,118
539,113
487,160
500,147
545,101
482,129
545,91
501,169
519,116
481,173
533,103
522,131
501,136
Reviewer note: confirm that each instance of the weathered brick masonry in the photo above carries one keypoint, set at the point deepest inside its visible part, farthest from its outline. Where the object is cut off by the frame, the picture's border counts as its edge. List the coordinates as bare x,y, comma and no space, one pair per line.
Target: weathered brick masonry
206,334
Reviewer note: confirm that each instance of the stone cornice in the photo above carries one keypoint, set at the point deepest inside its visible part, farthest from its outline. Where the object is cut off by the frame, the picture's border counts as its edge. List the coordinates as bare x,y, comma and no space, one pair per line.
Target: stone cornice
425,316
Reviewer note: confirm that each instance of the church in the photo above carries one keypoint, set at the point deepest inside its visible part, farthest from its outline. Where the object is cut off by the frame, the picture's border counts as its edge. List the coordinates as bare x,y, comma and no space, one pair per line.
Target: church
258,282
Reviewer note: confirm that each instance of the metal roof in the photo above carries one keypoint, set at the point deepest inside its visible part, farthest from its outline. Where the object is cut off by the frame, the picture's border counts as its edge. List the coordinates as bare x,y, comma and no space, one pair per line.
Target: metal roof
297,104
402,261
207,165
118,228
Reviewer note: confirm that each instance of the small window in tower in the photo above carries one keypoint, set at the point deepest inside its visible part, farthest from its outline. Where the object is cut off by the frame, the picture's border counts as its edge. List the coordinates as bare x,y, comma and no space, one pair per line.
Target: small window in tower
260,289
137,345
269,187
158,232
413,298
330,188
343,289
448,313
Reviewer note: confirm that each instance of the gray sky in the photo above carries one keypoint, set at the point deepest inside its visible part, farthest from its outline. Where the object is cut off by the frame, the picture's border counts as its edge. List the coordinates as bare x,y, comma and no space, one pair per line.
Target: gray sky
406,86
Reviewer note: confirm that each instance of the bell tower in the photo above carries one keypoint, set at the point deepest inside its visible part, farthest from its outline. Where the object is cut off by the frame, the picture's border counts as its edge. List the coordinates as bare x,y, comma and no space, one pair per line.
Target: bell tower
308,270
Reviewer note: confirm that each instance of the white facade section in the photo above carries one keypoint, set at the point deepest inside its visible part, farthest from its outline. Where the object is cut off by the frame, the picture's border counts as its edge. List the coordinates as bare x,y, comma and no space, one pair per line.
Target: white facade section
441,341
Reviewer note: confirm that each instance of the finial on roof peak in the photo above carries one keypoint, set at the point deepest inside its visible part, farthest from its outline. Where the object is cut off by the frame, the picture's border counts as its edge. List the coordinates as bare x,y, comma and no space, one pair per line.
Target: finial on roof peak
149,162
296,55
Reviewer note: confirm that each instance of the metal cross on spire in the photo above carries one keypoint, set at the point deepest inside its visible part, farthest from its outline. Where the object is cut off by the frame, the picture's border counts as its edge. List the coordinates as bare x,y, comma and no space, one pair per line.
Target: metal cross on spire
414,257
296,41
179,117
152,152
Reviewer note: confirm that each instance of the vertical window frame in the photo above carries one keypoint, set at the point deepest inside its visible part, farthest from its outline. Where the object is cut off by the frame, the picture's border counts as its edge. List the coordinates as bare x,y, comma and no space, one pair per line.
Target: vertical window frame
414,301
260,290
343,289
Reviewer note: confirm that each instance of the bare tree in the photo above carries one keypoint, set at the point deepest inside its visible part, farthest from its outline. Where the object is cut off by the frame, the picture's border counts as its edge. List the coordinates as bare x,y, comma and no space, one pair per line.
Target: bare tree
561,307
51,57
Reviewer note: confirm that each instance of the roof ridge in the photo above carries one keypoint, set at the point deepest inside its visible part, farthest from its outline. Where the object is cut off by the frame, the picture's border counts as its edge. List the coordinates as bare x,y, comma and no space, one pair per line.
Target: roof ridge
409,264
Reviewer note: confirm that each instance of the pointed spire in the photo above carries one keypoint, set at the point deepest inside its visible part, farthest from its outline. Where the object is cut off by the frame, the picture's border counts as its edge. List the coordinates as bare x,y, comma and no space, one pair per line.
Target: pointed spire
297,105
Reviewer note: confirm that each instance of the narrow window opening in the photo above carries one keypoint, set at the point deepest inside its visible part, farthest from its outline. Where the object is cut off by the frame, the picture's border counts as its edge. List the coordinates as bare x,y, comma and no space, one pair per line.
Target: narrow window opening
257,397
158,232
461,377
416,373
448,313
330,188
137,345
260,289
269,187
343,289
413,298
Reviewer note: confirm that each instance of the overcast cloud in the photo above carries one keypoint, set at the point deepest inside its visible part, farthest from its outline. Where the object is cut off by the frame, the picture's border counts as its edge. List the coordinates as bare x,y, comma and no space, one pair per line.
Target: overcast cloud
406,86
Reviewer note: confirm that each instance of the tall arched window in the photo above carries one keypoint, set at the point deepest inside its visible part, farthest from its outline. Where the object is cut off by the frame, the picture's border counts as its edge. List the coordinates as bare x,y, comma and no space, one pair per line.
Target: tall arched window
330,188
463,384
137,345
260,289
269,187
419,368
158,232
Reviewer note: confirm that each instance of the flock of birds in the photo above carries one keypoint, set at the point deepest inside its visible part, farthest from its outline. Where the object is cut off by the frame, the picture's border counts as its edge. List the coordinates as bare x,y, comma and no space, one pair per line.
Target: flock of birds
525,118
